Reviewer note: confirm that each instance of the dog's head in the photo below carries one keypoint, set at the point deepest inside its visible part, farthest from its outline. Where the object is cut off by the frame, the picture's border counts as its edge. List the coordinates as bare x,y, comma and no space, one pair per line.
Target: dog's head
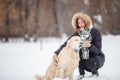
74,42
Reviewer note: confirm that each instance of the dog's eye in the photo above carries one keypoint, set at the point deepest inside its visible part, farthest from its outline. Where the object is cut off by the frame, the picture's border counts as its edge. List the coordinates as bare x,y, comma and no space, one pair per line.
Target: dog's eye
76,39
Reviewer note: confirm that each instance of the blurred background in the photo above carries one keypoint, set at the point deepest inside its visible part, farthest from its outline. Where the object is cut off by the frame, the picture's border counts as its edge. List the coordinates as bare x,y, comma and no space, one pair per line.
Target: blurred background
52,18
31,30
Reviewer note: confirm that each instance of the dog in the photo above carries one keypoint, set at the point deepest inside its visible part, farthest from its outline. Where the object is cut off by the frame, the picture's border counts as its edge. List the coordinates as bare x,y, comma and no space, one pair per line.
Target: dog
64,64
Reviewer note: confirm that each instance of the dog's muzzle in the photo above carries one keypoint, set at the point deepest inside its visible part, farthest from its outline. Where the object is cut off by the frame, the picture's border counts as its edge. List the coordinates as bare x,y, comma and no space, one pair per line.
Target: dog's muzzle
76,50
78,47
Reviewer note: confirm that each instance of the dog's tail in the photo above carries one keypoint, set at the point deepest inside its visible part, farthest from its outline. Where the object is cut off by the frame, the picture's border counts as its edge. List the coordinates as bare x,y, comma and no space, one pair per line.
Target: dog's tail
38,77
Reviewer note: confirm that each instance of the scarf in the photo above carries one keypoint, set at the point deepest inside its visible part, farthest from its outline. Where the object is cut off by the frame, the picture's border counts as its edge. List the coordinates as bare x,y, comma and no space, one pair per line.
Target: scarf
85,36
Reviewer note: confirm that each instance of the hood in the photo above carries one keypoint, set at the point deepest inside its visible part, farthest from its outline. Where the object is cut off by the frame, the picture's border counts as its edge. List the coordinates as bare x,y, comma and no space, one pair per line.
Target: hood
83,16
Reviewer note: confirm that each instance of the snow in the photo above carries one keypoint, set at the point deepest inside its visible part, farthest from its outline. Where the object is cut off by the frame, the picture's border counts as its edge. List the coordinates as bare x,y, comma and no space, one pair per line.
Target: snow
23,60
98,18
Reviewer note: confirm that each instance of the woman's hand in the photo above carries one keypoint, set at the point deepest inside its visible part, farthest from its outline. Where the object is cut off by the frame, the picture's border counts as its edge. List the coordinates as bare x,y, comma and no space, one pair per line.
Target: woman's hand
86,44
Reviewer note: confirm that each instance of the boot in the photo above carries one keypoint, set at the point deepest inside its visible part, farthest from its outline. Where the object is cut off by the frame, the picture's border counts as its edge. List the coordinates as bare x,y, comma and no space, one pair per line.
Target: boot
95,73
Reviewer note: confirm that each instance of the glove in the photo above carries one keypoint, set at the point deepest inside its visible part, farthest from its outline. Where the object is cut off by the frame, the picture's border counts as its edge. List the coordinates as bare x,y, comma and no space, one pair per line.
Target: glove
86,44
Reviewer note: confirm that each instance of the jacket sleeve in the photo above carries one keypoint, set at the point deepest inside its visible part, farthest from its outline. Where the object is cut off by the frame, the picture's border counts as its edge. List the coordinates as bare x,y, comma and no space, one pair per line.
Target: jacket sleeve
64,44
96,43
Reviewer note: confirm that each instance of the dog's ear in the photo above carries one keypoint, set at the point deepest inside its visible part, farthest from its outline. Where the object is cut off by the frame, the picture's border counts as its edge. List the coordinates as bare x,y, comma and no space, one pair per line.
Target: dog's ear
68,43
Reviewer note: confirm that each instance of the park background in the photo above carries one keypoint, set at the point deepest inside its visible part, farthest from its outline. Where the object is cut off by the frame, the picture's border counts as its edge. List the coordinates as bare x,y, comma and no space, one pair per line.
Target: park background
31,30
52,18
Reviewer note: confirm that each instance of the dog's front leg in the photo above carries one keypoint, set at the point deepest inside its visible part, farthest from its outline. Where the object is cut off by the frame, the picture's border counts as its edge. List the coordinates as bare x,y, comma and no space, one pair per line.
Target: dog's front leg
70,76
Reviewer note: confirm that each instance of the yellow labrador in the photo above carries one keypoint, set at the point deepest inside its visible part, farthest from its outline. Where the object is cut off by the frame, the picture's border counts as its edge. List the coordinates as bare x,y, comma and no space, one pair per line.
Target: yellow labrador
67,61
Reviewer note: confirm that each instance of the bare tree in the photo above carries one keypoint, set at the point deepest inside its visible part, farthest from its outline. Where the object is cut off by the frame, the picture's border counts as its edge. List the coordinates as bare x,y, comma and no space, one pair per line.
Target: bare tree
60,17
37,12
94,10
6,6
110,16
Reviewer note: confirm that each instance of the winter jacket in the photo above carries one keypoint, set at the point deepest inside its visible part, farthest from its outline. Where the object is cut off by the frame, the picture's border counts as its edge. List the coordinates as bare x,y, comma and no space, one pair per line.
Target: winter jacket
94,49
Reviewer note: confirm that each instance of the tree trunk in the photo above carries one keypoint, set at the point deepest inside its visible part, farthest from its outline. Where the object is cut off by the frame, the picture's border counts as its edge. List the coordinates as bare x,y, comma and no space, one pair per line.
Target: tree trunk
60,17
37,17
110,16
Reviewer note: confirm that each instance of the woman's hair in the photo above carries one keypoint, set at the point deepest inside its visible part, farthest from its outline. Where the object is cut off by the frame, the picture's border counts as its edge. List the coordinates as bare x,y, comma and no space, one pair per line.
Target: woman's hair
77,27
82,16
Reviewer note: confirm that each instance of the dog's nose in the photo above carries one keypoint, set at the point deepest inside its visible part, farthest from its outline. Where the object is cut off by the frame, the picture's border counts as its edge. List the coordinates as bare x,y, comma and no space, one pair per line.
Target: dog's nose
81,44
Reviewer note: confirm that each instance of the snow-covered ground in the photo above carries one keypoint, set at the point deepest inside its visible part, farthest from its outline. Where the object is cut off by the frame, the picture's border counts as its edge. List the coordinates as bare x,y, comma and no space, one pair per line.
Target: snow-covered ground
23,60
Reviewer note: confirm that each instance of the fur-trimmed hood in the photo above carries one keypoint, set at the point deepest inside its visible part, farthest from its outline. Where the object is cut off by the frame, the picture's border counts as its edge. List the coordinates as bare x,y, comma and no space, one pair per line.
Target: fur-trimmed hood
83,16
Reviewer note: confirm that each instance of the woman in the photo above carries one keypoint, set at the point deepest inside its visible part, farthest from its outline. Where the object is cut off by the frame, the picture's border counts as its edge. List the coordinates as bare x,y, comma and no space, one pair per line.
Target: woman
91,56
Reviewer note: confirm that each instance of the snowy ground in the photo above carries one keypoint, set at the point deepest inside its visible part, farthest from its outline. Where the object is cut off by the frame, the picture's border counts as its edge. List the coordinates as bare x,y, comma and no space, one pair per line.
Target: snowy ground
23,60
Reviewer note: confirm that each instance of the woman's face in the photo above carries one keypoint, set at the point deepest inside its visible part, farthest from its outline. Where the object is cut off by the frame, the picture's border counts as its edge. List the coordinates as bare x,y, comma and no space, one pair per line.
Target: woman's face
81,23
